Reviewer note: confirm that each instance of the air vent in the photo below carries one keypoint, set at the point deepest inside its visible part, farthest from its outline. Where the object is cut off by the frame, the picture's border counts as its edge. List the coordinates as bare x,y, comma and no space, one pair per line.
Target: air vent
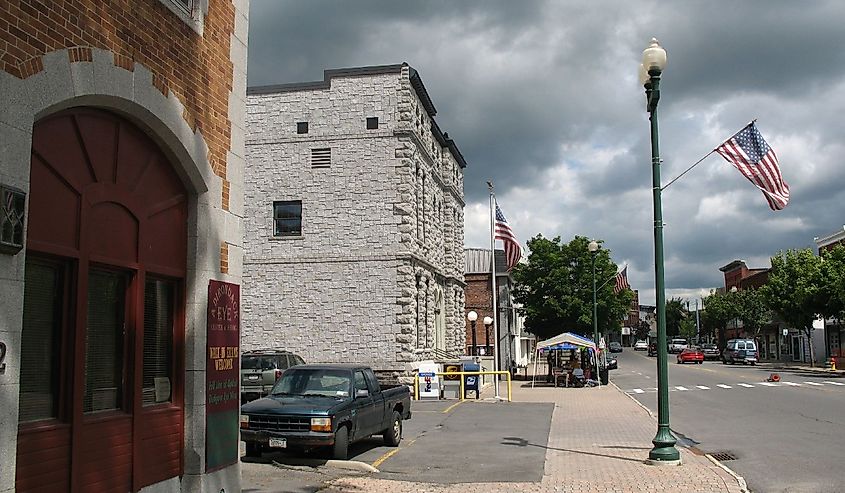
321,158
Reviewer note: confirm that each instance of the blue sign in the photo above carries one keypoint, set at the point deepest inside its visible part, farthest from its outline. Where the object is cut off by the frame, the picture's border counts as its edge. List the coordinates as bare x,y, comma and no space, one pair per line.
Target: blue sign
427,374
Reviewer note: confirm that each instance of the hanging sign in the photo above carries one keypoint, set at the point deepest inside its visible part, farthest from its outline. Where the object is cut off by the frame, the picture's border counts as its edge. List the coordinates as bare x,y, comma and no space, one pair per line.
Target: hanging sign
222,370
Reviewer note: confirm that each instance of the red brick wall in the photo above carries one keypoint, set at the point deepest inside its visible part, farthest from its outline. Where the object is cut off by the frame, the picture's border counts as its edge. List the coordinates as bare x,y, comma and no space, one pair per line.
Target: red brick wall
479,299
196,68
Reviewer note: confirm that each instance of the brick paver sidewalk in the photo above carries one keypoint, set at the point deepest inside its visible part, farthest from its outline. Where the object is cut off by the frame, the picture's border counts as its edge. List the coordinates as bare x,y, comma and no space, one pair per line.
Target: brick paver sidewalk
598,443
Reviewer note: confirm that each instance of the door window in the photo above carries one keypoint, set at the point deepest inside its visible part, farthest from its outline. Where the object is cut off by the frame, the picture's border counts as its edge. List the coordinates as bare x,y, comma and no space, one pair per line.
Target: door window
104,342
360,381
40,341
159,300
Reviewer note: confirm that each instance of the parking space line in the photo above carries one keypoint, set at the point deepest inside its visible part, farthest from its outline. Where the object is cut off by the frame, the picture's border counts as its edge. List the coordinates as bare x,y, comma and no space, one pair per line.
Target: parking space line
385,457
453,406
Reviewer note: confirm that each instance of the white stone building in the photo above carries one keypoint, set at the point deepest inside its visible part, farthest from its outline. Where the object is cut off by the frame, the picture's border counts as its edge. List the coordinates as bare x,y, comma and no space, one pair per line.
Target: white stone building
353,221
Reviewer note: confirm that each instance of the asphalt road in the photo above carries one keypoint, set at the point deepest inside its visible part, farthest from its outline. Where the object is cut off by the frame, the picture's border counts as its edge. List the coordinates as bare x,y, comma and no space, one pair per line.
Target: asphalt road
786,436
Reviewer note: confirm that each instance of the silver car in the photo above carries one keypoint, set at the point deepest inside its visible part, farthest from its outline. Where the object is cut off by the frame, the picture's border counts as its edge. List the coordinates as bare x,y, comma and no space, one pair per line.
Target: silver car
261,368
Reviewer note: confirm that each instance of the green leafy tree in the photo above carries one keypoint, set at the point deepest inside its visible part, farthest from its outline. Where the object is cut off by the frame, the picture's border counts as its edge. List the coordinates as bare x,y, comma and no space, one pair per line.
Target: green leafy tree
794,292
555,288
642,330
832,289
675,312
688,329
719,309
752,309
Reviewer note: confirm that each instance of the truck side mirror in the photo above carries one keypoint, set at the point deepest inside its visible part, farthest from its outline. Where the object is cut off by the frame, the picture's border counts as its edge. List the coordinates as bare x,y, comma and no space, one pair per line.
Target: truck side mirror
362,393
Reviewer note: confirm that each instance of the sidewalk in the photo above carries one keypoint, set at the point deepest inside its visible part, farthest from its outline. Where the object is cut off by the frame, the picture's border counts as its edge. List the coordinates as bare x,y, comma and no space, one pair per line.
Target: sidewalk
598,443
819,369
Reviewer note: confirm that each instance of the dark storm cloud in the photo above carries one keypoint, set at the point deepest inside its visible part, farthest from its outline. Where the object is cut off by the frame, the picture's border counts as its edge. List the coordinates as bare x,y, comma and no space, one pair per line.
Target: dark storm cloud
542,98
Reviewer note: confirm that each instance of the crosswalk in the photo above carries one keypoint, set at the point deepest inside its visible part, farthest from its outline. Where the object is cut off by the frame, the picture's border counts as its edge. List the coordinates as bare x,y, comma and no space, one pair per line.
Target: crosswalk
746,385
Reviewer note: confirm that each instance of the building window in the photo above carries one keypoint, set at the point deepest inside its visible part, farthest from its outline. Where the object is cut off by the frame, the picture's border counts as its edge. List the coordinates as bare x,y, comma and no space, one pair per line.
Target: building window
287,218
192,12
159,301
302,127
372,123
105,341
41,341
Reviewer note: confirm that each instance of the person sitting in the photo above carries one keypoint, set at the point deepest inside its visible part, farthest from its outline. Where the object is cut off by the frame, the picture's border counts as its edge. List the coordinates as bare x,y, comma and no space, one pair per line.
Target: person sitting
578,378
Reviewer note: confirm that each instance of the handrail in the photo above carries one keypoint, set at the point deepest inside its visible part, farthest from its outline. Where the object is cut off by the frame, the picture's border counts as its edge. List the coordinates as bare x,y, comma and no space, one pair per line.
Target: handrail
462,373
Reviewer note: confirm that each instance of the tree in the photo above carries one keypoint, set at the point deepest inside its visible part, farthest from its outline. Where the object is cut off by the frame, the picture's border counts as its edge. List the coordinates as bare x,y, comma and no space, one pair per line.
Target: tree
643,330
794,292
719,309
555,288
832,289
752,309
688,329
675,312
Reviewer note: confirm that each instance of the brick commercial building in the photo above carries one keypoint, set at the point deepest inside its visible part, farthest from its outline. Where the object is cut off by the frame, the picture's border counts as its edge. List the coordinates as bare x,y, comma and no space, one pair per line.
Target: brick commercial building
353,222
121,165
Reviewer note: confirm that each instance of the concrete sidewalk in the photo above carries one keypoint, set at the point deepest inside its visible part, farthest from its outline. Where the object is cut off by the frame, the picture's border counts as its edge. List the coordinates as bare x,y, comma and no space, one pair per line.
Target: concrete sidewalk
599,441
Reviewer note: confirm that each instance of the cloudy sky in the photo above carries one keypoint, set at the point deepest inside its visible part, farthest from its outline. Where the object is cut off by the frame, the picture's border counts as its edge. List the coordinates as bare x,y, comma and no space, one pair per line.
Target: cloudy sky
542,98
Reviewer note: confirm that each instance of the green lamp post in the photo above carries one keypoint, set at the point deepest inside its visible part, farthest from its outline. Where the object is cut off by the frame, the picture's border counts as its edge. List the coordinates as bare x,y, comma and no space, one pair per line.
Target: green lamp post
664,451
593,247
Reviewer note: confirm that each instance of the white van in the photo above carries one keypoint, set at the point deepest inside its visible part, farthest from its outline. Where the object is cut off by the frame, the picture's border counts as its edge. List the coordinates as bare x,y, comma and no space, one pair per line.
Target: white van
740,351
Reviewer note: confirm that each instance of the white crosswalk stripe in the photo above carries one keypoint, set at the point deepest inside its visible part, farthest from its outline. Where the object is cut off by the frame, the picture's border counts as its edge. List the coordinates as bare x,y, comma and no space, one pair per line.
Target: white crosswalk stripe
817,384
638,391
769,384
792,384
721,385
836,383
679,387
702,387
746,385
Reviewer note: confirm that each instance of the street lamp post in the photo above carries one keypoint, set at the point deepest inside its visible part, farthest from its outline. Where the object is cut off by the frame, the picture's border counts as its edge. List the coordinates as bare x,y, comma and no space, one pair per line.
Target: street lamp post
472,317
664,451
593,247
488,321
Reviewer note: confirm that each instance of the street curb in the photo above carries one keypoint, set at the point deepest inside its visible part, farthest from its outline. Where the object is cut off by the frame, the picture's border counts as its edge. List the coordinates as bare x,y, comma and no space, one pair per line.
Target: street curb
350,465
739,479
743,486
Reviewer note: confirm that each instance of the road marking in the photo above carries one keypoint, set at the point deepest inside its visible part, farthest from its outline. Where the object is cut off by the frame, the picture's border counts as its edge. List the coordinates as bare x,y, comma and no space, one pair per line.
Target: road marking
453,406
747,386
638,391
769,384
385,457
814,383
703,387
836,383
723,386
792,384
679,387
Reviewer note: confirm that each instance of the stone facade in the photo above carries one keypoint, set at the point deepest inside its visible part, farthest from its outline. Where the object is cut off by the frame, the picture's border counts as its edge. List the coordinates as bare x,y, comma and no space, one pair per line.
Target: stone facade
376,275
180,75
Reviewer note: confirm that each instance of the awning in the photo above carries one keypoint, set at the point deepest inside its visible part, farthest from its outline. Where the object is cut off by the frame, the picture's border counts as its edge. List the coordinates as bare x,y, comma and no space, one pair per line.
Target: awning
568,338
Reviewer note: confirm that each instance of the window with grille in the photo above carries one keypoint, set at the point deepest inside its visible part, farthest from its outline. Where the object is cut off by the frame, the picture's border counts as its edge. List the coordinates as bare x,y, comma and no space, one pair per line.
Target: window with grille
104,341
287,218
40,341
159,301
321,158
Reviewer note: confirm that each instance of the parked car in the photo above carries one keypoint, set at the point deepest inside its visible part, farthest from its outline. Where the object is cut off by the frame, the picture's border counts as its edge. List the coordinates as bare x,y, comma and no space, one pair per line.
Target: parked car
711,351
641,346
691,354
614,347
677,345
326,406
260,369
652,349
740,351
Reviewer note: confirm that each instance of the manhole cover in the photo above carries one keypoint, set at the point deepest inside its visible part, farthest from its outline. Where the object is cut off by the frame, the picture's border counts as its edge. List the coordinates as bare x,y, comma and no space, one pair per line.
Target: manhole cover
723,456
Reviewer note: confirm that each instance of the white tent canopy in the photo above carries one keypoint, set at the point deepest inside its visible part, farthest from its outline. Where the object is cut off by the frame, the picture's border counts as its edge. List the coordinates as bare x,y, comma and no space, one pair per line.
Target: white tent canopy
566,338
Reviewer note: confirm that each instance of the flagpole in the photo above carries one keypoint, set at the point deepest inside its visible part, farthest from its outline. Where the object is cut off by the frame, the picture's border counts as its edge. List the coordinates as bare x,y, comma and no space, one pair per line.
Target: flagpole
494,292
704,157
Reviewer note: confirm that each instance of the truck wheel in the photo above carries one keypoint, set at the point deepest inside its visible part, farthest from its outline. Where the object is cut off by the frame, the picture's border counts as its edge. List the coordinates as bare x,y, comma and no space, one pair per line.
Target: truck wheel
253,449
393,435
340,449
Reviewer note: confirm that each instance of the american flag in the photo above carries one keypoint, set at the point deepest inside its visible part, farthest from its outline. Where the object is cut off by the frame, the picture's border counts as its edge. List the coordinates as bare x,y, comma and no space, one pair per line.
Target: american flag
621,281
752,156
513,252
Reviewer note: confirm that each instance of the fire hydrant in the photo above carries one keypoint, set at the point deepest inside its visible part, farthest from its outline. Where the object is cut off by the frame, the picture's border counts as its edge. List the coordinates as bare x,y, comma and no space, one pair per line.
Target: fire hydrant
833,364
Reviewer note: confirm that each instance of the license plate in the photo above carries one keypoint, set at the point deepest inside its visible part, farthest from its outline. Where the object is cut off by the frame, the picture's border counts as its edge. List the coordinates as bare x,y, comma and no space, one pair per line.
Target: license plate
252,377
279,442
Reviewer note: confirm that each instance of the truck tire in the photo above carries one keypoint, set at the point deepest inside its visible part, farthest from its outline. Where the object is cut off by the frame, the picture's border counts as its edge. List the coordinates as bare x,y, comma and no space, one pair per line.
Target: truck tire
340,449
253,449
393,435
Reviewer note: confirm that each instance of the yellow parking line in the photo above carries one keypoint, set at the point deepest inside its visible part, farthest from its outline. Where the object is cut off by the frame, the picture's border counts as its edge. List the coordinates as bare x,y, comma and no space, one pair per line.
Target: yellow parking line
385,457
453,406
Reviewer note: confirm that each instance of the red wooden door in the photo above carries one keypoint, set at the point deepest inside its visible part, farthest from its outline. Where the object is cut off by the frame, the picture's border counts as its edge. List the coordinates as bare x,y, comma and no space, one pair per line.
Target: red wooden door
107,209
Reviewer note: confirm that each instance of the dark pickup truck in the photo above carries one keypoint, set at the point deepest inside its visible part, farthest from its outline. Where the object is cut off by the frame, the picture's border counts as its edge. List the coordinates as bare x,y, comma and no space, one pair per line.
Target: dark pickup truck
325,406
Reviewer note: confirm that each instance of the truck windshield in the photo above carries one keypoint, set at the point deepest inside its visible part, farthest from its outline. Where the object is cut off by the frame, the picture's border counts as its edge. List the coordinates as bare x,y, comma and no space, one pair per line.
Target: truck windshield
314,382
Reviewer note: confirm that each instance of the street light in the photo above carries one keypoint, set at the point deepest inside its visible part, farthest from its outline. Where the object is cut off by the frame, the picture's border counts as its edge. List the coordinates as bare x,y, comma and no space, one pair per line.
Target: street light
488,321
472,317
593,247
664,451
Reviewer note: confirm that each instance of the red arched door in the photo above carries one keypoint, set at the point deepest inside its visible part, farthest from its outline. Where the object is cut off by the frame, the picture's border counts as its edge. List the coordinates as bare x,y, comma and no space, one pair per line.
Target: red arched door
102,350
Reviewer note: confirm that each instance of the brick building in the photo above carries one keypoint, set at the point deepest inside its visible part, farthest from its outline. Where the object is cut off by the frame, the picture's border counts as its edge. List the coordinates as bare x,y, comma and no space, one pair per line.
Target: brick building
121,179
354,221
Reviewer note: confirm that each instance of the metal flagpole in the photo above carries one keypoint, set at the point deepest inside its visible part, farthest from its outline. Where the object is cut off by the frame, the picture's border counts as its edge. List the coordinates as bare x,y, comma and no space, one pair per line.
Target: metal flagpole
493,281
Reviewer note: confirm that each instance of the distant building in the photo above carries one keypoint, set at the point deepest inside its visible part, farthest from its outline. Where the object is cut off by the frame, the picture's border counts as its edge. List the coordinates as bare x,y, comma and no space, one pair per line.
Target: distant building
631,321
834,330
515,344
354,221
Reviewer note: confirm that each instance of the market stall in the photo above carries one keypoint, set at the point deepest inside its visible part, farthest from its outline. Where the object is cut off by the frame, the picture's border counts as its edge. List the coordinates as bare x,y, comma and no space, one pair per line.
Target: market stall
561,349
